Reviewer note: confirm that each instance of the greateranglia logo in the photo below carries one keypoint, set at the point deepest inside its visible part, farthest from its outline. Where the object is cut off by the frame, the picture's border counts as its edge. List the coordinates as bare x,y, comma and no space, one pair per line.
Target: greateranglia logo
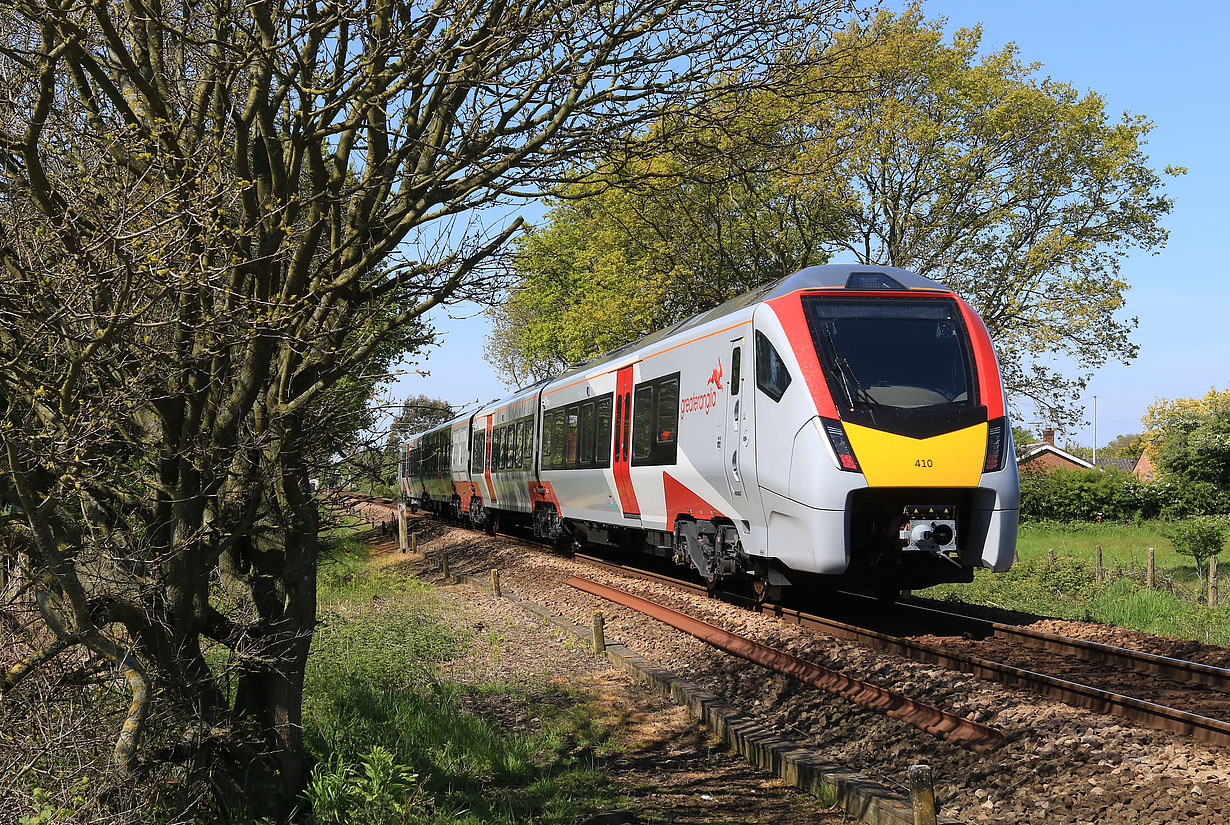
705,401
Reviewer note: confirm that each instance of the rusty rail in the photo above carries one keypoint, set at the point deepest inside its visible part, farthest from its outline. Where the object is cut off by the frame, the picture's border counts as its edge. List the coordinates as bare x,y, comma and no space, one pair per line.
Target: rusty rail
933,720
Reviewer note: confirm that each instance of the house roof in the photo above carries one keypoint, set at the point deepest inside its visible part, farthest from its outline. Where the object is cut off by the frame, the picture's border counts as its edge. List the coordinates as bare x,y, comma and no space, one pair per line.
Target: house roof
1033,450
1128,464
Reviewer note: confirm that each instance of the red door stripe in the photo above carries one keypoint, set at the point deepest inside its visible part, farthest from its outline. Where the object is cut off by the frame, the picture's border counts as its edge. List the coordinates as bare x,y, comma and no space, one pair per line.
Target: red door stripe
621,457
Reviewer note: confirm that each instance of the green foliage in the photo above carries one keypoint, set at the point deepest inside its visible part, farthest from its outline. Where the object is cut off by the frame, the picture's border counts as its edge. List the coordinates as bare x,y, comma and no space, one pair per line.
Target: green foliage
1189,438
1017,190
1128,445
1201,537
374,791
1080,495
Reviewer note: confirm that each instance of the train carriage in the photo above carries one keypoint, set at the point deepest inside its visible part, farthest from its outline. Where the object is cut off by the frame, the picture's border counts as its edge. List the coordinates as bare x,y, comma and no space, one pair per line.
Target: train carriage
844,421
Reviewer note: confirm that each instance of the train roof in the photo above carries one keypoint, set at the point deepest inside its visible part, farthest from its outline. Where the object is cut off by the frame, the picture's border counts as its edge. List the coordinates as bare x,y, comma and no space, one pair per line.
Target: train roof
827,276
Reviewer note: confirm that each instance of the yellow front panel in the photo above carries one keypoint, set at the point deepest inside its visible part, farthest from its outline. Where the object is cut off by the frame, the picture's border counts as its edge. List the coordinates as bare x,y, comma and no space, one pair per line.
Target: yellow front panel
949,460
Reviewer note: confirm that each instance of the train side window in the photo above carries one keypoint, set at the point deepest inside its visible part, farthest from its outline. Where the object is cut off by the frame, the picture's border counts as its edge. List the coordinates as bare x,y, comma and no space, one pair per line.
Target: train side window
505,447
547,421
602,433
557,454
736,360
527,444
642,423
480,443
574,422
518,432
619,423
587,434
668,413
627,426
772,377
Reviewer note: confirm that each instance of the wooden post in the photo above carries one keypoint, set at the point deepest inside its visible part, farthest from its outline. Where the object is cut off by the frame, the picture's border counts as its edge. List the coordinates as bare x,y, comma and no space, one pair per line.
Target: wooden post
1212,581
1150,577
1098,573
1051,555
444,565
401,527
495,582
599,633
922,795
414,544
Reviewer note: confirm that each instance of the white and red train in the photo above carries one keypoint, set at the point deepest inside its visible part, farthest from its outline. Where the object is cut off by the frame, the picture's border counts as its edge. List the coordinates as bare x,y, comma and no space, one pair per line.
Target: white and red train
845,421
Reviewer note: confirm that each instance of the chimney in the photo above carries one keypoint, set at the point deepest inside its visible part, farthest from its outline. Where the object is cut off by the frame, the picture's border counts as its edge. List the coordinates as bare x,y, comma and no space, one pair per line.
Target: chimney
1048,436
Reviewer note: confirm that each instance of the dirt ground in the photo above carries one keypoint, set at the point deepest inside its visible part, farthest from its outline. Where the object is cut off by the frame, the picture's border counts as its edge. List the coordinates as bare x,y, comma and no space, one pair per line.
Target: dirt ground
673,770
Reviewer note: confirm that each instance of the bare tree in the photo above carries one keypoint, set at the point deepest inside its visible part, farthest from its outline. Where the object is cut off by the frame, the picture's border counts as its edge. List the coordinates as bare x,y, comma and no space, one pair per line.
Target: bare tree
220,223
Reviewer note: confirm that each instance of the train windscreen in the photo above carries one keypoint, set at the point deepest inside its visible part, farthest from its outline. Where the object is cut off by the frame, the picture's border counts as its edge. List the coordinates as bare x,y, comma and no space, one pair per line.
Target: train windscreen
897,364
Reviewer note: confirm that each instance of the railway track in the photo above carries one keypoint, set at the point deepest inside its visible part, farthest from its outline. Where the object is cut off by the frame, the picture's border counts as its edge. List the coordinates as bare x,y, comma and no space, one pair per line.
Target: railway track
1189,720
1159,692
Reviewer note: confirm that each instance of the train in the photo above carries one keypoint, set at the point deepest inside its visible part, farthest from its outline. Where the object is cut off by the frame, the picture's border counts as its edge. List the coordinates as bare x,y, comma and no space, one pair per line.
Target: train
845,425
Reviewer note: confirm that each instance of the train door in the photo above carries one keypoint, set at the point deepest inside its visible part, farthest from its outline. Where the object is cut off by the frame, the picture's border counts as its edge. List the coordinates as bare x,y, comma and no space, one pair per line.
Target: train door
487,459
733,437
621,447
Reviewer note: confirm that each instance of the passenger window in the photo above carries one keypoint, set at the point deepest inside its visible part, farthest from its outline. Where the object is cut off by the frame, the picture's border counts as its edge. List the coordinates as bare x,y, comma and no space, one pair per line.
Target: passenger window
771,375
573,425
480,443
546,438
557,453
627,425
587,433
668,411
642,423
602,433
736,361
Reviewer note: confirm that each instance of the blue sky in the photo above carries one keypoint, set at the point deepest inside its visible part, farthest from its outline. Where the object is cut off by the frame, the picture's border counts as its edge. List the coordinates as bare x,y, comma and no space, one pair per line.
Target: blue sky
1168,62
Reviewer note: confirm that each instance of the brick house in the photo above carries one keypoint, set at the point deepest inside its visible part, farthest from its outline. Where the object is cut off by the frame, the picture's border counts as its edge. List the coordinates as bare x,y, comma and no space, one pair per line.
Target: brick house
1046,456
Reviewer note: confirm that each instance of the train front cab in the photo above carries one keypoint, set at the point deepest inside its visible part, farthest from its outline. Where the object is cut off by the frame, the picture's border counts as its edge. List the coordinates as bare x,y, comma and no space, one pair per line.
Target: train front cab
898,470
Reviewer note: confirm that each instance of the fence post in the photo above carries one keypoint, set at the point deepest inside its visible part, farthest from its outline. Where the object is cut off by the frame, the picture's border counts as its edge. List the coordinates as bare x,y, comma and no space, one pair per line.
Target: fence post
1150,578
495,582
922,795
599,633
402,543
1098,573
414,544
1212,581
444,566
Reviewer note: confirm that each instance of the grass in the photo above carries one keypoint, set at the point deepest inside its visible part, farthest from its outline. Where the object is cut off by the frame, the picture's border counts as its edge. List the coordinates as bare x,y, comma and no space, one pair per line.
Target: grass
392,740
1122,544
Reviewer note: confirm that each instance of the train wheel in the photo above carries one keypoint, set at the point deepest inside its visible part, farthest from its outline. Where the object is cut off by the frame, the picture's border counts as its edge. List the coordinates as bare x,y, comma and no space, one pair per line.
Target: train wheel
711,584
493,524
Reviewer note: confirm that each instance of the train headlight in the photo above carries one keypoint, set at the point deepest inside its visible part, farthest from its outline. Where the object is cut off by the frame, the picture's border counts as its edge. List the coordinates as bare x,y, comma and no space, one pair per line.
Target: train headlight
997,432
841,445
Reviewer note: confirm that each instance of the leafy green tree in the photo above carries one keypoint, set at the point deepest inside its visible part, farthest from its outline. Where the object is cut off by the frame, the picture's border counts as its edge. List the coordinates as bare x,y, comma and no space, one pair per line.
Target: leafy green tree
1016,190
1200,537
220,224
1128,445
1190,437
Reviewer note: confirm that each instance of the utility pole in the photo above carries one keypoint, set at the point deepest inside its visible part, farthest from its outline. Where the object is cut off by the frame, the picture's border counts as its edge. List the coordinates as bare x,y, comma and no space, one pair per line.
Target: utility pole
1095,431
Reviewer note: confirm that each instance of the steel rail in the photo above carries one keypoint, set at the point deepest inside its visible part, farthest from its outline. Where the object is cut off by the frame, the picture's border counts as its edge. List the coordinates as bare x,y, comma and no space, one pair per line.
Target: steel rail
1150,714
1151,664
937,722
